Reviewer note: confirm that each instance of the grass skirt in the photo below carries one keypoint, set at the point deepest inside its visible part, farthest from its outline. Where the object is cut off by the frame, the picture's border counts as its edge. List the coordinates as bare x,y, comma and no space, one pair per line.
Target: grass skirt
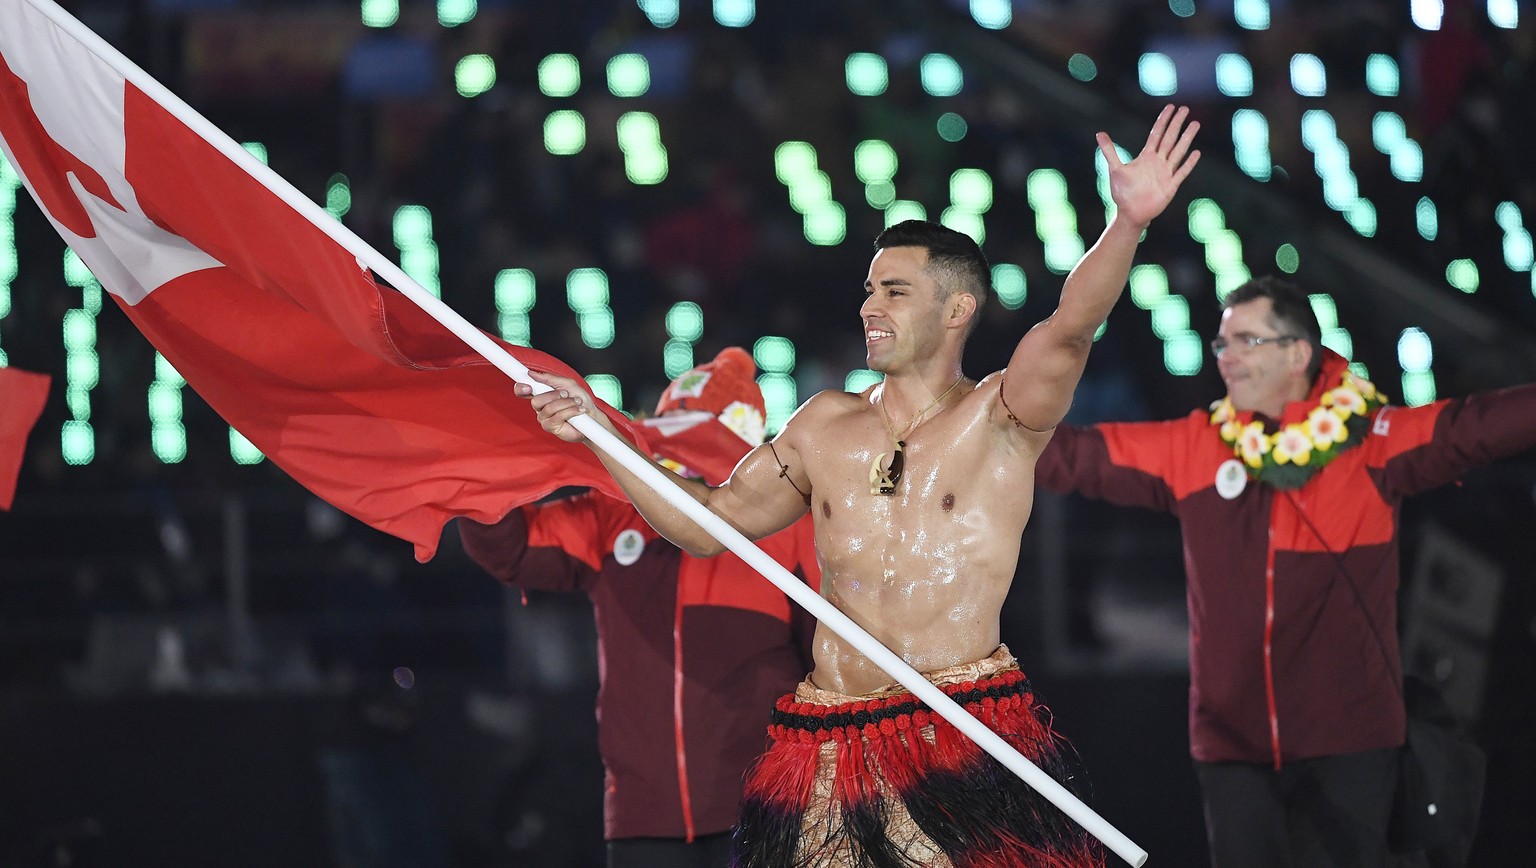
882,781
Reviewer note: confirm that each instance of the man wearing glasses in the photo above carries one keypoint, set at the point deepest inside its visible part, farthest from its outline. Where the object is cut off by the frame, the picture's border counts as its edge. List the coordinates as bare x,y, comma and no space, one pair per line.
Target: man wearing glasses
1287,492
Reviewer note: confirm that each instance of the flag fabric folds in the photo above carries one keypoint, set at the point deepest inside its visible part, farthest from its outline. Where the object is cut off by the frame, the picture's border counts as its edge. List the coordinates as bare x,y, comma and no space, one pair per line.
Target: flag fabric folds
360,395
22,396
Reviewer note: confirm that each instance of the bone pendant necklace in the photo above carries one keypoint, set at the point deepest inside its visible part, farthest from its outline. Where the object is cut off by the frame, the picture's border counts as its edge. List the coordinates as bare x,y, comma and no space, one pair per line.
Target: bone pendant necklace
883,480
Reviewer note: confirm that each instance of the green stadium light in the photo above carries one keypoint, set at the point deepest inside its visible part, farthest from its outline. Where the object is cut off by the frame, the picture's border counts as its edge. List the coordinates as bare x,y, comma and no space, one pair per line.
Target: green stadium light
1427,218
629,75
586,289
735,13
685,321
866,74
810,191
774,354
606,387
1234,76
880,196
338,196
243,451
565,132
380,13
952,127
874,161
1183,354
412,226
1149,285
1407,162
793,160
1504,13
1519,254
992,14
514,293
1462,274
559,75
1157,74
1381,75
1251,14
825,225
940,74
1010,285
452,13
971,189
1082,67
1170,317
676,357
861,379
904,209
77,443
1361,215
966,222
780,395
662,13
1308,77
474,74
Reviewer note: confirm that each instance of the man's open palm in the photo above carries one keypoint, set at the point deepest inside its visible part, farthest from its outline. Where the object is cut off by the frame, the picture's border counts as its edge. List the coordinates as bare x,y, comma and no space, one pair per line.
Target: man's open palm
1142,188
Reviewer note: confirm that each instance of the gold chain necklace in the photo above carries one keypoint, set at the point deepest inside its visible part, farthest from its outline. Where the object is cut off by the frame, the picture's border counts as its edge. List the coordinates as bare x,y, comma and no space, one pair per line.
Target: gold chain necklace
883,481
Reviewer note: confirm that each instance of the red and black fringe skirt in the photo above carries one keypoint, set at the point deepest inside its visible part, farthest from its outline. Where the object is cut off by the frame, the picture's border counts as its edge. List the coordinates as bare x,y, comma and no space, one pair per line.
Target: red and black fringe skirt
882,781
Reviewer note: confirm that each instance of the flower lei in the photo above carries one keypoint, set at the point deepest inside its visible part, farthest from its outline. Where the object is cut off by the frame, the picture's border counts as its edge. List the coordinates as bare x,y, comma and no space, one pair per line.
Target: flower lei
1289,457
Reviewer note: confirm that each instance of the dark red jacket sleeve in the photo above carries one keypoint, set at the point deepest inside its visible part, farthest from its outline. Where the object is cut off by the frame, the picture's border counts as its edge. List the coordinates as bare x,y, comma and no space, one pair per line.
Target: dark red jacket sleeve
1123,463
1420,448
552,546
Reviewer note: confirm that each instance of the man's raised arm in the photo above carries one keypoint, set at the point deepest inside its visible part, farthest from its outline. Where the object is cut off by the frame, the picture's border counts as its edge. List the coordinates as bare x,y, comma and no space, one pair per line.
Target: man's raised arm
753,500
1048,362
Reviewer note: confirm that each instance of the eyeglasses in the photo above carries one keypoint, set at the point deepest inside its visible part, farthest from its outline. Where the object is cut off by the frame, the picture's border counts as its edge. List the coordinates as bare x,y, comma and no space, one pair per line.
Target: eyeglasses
1248,342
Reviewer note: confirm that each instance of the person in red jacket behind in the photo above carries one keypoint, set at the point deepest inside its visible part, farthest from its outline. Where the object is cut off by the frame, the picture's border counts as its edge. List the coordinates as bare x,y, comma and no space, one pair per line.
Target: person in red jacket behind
691,650
1287,492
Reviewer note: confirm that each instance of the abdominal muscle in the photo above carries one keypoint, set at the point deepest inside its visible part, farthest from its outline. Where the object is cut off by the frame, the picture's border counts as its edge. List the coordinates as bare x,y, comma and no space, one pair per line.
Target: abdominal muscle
932,598
924,570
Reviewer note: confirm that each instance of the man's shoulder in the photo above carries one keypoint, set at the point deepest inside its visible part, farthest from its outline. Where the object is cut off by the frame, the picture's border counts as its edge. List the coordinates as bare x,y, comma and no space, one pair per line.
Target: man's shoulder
830,403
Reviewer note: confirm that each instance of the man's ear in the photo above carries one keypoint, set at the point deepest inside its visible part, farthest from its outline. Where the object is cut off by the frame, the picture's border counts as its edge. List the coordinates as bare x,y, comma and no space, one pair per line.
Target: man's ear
961,308
1305,352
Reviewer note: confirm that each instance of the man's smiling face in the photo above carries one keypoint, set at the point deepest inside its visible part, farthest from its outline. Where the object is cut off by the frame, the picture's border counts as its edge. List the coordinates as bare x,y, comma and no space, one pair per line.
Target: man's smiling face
902,312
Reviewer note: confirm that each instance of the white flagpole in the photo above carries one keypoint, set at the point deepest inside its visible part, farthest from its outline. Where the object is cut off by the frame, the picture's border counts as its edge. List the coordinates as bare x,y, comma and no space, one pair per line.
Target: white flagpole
824,611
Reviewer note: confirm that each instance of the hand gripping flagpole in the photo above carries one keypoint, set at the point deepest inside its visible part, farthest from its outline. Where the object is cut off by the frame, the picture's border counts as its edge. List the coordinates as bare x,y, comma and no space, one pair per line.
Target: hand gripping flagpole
611,444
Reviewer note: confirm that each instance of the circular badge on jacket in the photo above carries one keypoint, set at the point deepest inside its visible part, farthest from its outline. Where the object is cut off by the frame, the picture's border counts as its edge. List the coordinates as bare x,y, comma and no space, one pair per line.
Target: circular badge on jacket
1231,478
628,546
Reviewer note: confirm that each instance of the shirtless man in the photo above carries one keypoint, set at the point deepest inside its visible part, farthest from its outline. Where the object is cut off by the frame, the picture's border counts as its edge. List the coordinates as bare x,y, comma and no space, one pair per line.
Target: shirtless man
919,488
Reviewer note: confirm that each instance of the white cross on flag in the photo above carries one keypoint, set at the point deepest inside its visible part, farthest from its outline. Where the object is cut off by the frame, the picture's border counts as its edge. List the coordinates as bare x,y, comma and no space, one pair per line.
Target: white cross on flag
359,394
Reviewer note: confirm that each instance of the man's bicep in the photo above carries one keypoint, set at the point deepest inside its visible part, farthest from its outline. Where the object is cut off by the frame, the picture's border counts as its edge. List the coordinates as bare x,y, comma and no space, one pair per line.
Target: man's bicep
762,497
1042,374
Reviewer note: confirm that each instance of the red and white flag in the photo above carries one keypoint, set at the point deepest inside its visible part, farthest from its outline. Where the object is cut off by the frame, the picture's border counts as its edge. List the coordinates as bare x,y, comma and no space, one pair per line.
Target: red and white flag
22,396
359,394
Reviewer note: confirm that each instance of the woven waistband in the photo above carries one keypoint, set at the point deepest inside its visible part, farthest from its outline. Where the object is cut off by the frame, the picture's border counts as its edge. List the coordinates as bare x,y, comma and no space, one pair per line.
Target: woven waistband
794,720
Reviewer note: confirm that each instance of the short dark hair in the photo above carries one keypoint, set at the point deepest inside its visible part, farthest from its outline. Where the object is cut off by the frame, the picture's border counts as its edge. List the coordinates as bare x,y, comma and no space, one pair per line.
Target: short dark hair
954,259
1291,311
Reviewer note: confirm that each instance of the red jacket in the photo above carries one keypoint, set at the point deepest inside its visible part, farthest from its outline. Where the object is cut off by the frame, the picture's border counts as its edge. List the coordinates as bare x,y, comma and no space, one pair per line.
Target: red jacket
1283,665
692,652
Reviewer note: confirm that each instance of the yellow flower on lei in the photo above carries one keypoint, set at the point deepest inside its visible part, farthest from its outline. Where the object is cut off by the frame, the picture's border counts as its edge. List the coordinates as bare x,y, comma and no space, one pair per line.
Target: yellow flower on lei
1326,427
1253,444
1292,446
1346,402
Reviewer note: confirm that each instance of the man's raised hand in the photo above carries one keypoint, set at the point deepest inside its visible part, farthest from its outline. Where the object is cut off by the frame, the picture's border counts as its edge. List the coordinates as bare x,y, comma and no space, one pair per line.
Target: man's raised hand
1142,188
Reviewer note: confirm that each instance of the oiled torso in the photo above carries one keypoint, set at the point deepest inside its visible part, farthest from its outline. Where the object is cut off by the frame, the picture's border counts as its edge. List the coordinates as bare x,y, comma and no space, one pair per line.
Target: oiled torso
926,569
